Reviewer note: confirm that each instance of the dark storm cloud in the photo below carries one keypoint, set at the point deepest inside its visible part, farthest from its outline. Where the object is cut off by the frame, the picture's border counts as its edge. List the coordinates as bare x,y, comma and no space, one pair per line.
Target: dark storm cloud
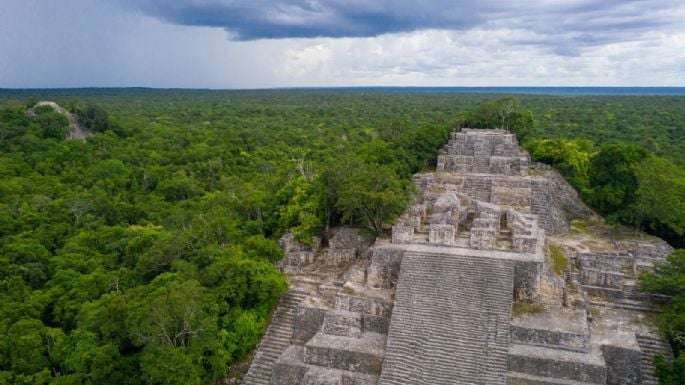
580,22
257,19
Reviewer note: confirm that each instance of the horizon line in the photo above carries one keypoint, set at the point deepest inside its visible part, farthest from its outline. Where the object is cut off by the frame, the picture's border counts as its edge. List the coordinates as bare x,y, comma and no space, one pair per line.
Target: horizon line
318,87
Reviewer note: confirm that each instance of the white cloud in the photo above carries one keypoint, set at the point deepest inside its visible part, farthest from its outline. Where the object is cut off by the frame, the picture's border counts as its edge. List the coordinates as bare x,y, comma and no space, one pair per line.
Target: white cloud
482,57
93,43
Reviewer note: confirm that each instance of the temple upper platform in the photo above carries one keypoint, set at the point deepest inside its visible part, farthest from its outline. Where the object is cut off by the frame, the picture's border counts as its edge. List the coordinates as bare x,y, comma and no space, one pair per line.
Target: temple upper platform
483,151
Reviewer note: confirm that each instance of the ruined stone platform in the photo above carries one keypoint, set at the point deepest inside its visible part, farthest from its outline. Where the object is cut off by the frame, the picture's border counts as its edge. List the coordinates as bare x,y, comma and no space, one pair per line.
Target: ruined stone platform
433,304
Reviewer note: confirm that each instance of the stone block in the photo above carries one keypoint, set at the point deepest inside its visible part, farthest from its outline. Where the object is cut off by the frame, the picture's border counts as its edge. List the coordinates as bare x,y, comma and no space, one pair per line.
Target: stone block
501,165
511,196
418,210
337,257
363,355
294,261
440,166
356,274
546,362
402,233
599,277
364,305
321,376
376,324
482,238
526,279
524,244
307,322
384,267
559,329
349,238
343,323
325,376
290,368
357,379
442,234
623,365
606,293
329,290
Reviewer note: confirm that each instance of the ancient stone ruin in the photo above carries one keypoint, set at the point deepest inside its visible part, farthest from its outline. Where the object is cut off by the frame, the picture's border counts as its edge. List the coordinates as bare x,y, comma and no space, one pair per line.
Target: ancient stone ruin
76,131
482,282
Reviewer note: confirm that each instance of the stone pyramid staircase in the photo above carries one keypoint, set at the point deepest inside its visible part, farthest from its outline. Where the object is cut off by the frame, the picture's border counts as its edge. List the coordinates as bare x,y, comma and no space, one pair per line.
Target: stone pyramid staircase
450,323
275,340
652,346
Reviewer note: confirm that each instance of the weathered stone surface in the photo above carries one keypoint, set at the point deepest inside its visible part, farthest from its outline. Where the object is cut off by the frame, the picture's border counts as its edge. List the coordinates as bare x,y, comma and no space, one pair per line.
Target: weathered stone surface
562,329
471,243
275,340
442,234
343,323
363,305
483,151
364,355
308,322
402,233
526,279
623,365
384,267
546,362
290,368
450,322
295,254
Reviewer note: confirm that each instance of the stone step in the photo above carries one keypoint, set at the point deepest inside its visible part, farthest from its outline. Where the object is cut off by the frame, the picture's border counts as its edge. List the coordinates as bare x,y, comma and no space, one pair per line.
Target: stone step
290,369
652,346
553,329
364,354
275,340
567,365
626,304
450,322
514,378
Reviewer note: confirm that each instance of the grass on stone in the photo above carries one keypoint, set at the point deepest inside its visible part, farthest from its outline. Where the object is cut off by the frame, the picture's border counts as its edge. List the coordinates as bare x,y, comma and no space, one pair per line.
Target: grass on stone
522,308
557,259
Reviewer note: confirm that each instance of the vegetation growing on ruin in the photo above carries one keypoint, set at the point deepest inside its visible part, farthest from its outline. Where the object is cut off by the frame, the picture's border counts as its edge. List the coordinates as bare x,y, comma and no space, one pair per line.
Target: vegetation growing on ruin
669,279
522,308
145,254
557,258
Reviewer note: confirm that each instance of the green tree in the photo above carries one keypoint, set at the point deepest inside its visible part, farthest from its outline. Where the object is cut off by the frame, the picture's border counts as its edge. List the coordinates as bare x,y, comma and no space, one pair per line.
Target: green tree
505,113
372,197
94,118
301,211
661,198
51,124
613,180
570,156
669,279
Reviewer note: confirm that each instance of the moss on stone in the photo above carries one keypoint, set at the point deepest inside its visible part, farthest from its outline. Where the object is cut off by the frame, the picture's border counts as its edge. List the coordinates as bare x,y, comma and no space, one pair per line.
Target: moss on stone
557,259
521,308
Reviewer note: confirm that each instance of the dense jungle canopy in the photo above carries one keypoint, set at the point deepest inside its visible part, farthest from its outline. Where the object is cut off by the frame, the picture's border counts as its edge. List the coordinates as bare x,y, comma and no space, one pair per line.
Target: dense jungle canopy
145,254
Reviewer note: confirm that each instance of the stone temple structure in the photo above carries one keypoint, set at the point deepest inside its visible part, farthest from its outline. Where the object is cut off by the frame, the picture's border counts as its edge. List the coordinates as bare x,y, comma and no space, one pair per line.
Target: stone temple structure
482,282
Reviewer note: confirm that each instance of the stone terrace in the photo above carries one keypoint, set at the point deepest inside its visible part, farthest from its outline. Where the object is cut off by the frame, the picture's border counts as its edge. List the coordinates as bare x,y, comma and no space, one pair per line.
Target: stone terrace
463,292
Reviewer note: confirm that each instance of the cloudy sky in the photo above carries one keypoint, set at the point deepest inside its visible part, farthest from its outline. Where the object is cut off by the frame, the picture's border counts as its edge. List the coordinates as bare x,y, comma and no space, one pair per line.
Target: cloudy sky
282,43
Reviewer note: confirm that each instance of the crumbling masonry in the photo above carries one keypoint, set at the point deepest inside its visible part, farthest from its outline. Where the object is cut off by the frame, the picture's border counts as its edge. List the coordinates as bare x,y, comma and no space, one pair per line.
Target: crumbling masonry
433,304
